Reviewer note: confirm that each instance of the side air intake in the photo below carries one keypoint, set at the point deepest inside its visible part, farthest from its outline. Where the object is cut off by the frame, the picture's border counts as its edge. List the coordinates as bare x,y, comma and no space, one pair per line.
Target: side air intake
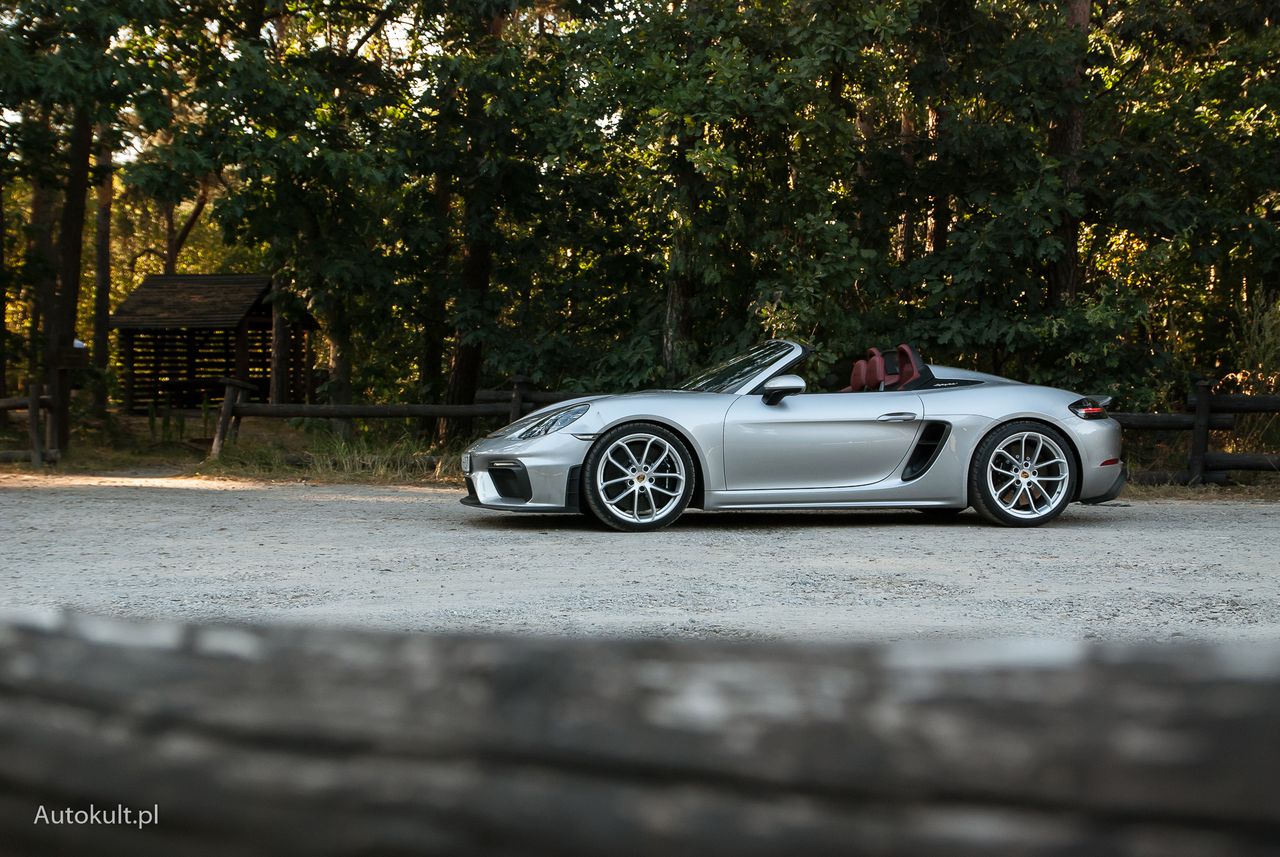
932,437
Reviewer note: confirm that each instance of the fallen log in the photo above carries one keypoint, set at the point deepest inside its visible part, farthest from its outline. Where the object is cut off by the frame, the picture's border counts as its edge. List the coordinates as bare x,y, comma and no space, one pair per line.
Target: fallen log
1242,461
252,740
1169,422
14,456
1238,403
22,403
368,411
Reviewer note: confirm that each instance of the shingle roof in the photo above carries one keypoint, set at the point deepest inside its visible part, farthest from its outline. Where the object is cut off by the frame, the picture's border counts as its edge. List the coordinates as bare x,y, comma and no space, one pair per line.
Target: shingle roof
191,300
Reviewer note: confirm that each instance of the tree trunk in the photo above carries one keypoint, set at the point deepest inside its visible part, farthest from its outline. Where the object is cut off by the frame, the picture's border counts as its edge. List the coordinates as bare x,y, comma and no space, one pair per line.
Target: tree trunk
907,222
41,267
4,296
433,318
170,239
865,132
280,351
431,354
939,204
1066,138
677,328
339,387
60,324
464,378
480,215
431,363
102,281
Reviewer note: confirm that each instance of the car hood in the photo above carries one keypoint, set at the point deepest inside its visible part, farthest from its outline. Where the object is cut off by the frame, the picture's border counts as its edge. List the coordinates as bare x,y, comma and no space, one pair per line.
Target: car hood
639,395
640,398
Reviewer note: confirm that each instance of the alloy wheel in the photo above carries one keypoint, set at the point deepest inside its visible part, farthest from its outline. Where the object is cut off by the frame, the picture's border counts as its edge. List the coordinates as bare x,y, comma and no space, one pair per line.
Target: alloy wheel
641,478
1028,475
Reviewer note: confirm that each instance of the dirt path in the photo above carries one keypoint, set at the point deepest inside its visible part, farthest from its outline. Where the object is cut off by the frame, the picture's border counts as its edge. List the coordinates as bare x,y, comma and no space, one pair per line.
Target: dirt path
415,559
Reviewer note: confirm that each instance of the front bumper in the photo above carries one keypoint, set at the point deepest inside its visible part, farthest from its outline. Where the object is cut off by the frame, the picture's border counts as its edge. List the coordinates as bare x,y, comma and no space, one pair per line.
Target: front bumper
537,475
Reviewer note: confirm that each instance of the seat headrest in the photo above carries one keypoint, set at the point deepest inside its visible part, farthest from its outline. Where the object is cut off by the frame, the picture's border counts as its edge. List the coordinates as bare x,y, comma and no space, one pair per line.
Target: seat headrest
875,372
891,368
858,377
910,366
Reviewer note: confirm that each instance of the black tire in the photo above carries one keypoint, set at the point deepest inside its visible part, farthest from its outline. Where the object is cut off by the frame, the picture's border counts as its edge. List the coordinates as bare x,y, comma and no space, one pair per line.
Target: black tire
585,510
656,498
1042,474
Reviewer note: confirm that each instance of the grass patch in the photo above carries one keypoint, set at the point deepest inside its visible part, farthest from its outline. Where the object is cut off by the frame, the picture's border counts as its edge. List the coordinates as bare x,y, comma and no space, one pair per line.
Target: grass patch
266,450
103,445
328,458
1260,486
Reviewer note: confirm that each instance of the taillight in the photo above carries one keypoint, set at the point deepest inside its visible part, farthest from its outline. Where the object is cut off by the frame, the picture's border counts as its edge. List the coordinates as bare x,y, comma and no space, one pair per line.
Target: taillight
1089,409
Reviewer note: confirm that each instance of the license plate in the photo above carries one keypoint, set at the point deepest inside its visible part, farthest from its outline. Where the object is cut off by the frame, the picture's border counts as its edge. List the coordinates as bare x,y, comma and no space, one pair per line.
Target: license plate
466,462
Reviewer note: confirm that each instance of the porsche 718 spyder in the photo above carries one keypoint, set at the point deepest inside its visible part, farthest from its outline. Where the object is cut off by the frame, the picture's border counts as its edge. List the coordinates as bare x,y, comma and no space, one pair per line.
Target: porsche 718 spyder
747,435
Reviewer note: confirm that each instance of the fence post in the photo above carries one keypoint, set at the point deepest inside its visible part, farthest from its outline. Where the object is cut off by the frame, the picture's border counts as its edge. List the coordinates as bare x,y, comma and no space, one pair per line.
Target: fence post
33,423
228,420
224,421
1200,432
51,418
519,383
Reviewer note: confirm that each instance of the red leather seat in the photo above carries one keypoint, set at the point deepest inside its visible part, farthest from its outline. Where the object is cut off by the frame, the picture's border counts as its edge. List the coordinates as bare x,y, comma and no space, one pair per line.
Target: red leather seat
875,373
890,362
910,366
857,378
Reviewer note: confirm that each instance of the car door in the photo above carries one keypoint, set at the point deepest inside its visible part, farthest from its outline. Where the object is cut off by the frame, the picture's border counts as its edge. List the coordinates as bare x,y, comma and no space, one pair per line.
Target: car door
818,440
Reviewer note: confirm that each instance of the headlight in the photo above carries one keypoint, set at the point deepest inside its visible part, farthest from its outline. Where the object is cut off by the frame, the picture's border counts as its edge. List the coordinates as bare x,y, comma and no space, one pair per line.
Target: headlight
554,421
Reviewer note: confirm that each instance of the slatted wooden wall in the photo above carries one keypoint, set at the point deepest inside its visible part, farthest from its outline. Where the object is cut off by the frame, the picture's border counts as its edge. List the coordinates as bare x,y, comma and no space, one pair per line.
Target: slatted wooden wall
179,367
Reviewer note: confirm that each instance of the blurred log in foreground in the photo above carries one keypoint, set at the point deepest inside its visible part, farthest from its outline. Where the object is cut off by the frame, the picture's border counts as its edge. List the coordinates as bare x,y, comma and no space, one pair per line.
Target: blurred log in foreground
286,740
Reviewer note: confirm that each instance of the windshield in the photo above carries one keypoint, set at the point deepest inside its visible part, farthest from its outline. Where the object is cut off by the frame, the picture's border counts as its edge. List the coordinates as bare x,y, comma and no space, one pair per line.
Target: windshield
733,373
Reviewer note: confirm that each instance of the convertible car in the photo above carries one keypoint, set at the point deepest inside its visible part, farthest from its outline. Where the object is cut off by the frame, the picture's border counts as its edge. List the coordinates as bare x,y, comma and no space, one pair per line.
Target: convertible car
747,435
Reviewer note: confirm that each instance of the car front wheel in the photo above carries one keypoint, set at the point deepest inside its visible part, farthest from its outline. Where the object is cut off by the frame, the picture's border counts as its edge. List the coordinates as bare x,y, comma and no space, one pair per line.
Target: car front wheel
1023,475
639,477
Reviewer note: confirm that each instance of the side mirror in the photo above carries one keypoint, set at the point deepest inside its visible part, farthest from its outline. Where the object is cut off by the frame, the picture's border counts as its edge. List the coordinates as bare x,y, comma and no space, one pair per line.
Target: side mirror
776,389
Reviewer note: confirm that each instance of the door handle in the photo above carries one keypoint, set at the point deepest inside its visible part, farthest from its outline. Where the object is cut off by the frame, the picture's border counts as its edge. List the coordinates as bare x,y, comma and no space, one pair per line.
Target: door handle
896,417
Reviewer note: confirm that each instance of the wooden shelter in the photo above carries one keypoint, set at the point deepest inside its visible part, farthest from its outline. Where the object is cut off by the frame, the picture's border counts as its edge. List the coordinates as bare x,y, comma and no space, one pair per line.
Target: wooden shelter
179,334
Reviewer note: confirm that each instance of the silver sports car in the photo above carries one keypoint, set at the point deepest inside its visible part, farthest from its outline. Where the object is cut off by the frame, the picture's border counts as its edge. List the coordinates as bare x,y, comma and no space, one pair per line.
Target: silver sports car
746,435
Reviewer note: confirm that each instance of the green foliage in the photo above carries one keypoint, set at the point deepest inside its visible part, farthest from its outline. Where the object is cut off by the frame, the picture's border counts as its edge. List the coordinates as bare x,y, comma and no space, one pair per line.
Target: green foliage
569,186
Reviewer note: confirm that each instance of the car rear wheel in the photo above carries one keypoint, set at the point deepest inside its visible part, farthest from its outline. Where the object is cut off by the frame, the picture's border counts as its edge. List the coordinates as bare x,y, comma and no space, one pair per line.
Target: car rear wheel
639,477
1023,475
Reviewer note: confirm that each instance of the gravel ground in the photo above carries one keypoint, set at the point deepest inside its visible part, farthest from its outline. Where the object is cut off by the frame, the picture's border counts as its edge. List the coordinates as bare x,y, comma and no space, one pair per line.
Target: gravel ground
414,559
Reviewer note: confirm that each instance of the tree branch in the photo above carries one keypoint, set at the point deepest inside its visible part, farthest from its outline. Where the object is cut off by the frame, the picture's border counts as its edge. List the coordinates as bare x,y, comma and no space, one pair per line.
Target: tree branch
378,23
136,257
185,232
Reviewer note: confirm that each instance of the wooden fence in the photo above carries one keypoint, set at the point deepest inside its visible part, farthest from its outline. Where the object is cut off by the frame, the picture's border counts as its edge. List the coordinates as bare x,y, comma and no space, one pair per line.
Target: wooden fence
510,405
255,740
1207,413
36,453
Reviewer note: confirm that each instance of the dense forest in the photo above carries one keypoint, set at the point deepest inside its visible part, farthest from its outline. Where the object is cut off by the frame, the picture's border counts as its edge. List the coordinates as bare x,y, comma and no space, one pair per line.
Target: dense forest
605,194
